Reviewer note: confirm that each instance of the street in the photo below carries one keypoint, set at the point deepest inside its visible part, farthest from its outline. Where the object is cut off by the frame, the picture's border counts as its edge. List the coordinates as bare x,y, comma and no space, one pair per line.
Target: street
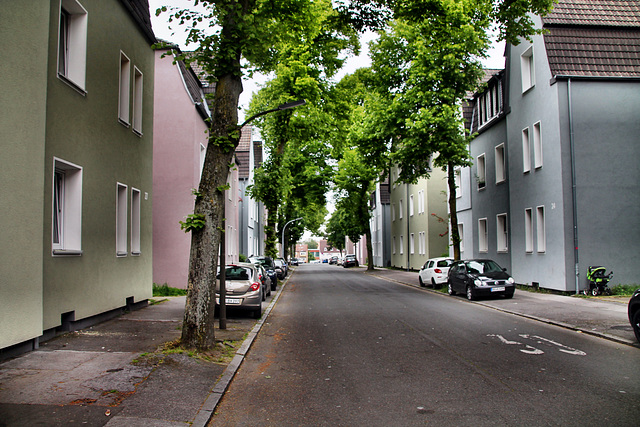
342,347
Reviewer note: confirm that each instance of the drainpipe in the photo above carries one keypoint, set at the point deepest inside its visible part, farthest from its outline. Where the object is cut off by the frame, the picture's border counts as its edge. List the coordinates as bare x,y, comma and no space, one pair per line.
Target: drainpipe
408,235
573,189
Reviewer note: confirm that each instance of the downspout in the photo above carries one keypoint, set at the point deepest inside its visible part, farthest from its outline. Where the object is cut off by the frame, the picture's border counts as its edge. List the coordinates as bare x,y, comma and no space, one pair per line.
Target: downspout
408,235
573,189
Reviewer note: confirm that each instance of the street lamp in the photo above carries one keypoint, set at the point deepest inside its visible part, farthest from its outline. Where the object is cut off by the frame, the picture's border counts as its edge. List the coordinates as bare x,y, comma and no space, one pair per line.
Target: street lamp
285,106
284,228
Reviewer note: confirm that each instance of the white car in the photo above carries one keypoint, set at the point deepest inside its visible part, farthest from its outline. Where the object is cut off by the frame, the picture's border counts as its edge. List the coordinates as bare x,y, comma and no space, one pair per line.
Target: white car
435,272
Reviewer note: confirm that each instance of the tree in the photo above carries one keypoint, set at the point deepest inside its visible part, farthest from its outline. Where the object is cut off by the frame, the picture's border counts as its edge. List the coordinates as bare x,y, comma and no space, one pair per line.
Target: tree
225,34
423,67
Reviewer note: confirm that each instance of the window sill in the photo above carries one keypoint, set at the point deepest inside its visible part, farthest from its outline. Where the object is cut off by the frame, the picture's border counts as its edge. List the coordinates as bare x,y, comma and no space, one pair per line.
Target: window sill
120,254
73,85
138,132
136,253
66,252
124,123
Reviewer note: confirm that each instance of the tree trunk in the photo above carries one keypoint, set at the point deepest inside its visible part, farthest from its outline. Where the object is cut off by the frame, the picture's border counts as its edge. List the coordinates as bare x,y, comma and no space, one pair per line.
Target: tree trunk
453,211
369,248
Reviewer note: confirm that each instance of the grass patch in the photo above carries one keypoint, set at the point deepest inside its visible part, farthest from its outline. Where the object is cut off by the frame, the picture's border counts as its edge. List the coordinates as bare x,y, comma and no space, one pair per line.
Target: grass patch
165,290
624,290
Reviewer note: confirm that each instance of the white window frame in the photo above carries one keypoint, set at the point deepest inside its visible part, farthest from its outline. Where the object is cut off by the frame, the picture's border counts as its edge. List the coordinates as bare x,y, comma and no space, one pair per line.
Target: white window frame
541,232
66,208
393,240
411,205
527,69
124,95
135,221
501,163
537,145
483,235
72,44
421,202
457,175
401,244
138,81
393,211
461,236
121,219
203,155
526,151
502,233
481,168
528,230
412,243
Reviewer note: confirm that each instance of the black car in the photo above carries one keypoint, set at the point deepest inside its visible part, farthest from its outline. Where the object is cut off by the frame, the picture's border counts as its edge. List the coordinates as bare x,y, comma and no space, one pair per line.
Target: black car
333,260
269,266
350,261
281,268
480,277
634,313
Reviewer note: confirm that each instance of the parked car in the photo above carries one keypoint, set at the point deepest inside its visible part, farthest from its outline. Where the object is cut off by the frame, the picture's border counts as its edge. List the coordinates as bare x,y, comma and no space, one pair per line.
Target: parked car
268,265
435,272
350,261
266,281
634,313
294,261
284,265
281,269
480,277
340,261
244,288
333,260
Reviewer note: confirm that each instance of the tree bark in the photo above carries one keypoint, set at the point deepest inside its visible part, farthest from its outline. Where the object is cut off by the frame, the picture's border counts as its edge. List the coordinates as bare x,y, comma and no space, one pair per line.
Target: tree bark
453,211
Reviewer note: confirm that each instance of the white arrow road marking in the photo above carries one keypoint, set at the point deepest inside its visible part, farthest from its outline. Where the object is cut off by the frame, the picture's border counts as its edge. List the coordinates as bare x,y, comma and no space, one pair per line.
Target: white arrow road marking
563,348
532,350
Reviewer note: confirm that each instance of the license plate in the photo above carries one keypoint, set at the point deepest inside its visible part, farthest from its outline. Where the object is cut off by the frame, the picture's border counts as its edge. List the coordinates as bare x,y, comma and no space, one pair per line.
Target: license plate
498,289
230,301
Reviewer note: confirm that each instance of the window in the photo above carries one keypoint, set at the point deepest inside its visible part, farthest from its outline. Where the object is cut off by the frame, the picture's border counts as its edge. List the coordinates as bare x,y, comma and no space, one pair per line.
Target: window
411,244
401,245
540,229
422,243
526,151
135,221
457,175
411,205
66,227
502,236
72,43
483,237
528,230
203,155
400,209
527,70
489,104
121,220
393,212
501,175
482,173
137,101
537,146
394,244
421,201
461,236
125,89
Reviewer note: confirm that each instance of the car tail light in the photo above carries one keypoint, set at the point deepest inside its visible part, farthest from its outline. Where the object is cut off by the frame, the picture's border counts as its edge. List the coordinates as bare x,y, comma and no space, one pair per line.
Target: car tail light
437,270
255,286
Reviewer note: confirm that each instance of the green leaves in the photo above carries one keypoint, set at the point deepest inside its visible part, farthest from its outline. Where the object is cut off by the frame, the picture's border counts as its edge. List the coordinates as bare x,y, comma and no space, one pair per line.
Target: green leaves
192,222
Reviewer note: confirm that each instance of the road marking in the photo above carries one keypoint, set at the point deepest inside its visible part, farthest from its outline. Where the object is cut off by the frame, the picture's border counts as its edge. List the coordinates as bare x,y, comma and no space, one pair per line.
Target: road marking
539,340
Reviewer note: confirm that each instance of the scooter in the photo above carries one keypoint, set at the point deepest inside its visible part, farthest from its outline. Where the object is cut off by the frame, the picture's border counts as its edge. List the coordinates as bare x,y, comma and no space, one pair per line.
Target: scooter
598,281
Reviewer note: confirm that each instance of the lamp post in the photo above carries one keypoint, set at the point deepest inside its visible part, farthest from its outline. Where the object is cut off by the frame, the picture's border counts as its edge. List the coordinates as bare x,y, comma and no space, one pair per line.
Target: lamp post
284,228
223,243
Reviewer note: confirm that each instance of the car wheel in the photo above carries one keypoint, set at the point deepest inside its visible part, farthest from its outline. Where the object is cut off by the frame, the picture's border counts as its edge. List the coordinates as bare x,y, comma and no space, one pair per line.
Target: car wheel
421,282
433,283
450,289
635,322
470,295
264,295
274,285
594,291
508,295
257,313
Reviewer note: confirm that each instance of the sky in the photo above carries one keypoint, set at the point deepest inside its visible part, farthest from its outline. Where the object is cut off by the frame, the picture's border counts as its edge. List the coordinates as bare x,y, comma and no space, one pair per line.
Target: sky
162,31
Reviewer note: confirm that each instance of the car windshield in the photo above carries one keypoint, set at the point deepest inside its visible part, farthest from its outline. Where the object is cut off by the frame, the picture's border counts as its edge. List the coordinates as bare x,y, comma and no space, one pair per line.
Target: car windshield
482,267
262,261
235,272
351,257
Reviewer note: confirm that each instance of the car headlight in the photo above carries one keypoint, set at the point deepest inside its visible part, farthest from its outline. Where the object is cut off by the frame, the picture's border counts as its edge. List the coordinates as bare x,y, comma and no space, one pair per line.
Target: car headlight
511,280
478,282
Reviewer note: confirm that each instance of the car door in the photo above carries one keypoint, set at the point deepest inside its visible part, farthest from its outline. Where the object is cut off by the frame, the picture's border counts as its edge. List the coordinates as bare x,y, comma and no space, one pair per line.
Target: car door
458,278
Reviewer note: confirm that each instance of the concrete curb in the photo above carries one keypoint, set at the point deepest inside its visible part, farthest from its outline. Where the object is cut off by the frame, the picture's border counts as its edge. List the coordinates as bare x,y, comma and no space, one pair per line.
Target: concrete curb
609,337
207,410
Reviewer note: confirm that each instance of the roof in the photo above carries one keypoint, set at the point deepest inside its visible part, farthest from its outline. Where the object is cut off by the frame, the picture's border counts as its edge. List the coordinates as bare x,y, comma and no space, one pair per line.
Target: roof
139,10
242,152
594,38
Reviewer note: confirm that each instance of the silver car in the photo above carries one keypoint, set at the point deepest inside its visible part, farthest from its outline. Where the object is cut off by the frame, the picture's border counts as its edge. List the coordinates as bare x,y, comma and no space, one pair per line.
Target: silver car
244,288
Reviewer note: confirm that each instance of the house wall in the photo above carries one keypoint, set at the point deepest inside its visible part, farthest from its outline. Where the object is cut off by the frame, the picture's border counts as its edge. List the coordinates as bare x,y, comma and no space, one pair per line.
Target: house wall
180,133
546,186
84,130
493,199
22,146
607,150
465,218
436,208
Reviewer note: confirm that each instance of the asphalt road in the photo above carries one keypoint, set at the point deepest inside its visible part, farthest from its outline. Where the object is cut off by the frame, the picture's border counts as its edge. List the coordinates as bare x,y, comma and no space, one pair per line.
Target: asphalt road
342,348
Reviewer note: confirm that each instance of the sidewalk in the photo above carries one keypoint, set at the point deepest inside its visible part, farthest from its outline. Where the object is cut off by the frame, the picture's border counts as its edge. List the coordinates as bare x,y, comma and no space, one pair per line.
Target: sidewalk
115,374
